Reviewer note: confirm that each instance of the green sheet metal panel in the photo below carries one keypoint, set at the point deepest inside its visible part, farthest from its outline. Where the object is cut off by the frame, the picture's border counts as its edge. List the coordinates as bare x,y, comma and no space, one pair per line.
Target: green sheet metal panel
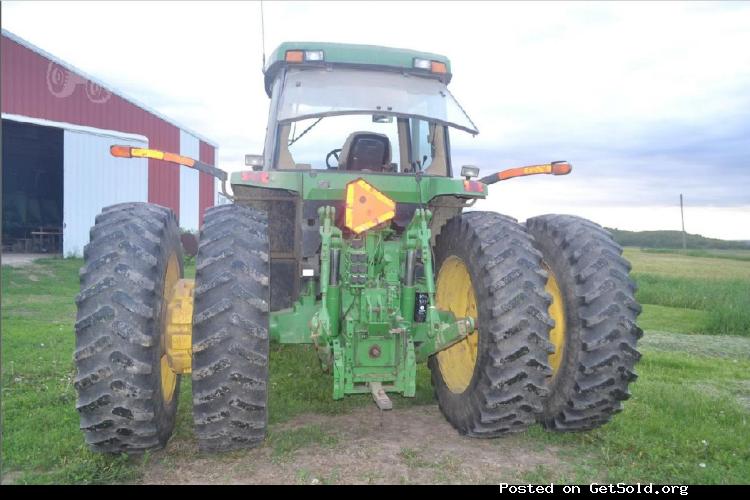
325,186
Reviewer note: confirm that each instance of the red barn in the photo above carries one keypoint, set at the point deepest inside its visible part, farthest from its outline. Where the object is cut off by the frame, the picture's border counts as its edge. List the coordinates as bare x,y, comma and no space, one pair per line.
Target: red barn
57,173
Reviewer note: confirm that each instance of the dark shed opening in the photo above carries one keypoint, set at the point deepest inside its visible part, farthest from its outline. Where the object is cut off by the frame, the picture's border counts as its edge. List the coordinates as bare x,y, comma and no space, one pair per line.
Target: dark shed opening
32,164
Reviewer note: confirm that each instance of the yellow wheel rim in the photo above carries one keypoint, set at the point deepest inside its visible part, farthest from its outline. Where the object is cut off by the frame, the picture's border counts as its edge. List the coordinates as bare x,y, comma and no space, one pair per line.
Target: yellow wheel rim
168,377
455,293
168,380
557,312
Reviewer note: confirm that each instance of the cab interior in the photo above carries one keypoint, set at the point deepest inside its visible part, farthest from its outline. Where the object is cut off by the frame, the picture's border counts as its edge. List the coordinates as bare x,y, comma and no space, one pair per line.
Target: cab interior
389,145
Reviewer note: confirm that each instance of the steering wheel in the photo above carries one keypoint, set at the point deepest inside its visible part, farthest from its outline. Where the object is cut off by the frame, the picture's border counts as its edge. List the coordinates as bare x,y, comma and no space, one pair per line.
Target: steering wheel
335,154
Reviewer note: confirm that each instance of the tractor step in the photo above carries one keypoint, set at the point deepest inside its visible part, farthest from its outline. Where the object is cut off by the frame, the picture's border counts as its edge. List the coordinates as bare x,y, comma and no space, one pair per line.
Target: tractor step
380,397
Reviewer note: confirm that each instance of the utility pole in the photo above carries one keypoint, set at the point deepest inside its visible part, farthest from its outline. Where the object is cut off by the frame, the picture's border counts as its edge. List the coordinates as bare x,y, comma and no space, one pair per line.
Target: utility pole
682,216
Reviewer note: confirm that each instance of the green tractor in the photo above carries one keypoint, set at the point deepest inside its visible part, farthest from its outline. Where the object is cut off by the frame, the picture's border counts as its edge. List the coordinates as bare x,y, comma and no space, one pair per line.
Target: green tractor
349,233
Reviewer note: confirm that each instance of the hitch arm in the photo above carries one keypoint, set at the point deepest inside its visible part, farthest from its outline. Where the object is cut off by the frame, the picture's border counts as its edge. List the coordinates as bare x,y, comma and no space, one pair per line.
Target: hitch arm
450,330
554,168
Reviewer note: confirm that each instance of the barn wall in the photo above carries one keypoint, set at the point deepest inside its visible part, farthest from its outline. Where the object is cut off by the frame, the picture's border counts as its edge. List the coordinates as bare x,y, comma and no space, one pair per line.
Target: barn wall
38,86
208,184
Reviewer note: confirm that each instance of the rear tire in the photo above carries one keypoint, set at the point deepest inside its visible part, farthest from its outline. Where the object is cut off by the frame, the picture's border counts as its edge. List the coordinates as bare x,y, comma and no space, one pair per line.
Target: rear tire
599,343
505,390
133,257
230,329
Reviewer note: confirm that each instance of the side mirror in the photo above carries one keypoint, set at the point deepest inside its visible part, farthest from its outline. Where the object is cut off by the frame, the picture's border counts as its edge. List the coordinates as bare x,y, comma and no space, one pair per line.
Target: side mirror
255,162
469,171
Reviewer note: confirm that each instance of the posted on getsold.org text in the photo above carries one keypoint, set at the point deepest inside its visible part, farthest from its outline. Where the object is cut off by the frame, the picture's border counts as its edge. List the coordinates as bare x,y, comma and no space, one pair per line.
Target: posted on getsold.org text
593,488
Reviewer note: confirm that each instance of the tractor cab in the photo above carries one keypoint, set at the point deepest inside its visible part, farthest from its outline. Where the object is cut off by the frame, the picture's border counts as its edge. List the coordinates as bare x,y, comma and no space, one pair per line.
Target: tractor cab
360,108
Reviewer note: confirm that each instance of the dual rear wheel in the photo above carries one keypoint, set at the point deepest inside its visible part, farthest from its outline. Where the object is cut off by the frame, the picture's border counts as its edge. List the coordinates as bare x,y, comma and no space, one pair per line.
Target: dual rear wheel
555,337
127,389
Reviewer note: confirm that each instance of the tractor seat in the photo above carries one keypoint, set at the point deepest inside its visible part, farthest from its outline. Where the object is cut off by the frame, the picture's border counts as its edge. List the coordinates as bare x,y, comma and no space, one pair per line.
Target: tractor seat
366,151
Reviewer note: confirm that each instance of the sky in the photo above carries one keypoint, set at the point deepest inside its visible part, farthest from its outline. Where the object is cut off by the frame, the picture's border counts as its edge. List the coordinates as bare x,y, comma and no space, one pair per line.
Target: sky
647,100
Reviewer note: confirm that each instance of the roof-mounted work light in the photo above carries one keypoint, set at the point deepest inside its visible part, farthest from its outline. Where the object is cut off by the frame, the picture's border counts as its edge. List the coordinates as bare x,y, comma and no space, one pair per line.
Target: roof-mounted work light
432,66
298,56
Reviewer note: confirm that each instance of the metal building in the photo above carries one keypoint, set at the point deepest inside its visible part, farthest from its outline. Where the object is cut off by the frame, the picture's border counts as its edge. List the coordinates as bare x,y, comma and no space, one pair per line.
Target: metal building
57,173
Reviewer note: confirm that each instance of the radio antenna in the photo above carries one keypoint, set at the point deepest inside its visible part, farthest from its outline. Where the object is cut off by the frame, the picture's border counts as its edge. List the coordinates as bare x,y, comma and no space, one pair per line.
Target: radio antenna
262,35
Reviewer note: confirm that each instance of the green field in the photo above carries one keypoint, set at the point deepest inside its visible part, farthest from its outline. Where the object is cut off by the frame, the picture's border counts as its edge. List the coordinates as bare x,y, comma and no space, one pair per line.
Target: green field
697,294
714,253
687,421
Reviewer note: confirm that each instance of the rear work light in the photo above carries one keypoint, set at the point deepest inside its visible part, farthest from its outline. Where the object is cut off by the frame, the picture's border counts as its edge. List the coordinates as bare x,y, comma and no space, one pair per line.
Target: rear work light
431,66
298,56
561,168
422,63
313,55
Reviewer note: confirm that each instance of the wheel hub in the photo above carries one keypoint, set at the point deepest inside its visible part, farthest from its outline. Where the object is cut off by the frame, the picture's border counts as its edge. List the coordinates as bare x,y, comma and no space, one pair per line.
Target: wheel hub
178,333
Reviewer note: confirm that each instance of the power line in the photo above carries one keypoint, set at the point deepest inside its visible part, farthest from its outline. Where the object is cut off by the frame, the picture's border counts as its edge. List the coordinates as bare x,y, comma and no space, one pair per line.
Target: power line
262,35
682,216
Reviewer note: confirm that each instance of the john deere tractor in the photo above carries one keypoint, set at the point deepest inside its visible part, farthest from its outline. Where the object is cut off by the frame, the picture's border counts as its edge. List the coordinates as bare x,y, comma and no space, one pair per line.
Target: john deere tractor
350,233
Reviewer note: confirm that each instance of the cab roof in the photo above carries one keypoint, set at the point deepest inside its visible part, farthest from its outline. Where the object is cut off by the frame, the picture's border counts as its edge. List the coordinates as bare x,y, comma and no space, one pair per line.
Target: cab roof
372,57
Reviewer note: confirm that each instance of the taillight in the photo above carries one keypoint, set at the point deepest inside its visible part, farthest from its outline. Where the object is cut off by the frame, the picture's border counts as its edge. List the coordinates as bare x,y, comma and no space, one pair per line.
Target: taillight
473,187
250,176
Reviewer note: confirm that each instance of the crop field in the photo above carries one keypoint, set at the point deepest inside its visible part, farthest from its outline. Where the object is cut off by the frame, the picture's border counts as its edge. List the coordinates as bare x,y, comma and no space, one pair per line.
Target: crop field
693,294
687,422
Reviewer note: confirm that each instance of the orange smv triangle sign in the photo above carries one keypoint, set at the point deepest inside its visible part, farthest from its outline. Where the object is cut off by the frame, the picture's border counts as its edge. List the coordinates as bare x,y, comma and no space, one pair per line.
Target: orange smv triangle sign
366,207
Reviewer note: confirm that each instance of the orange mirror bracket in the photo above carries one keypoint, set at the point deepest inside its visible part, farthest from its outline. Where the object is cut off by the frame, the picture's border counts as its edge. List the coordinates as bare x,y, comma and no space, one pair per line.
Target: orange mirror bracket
554,168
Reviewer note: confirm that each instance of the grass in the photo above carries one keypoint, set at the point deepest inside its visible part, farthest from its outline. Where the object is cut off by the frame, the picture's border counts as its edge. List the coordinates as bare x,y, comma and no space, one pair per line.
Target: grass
686,410
37,372
725,304
719,347
38,340
446,469
690,406
287,442
743,255
665,319
707,294
683,266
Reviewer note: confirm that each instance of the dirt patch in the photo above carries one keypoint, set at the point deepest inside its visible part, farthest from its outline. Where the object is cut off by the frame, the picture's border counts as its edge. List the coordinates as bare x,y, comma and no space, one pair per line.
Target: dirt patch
10,477
414,445
23,259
